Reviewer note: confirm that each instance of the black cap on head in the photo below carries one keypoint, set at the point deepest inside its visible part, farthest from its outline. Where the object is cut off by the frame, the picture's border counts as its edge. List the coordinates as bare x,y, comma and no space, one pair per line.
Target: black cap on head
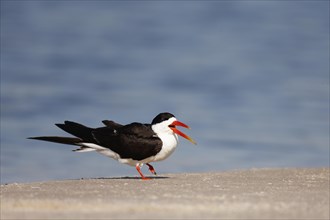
162,117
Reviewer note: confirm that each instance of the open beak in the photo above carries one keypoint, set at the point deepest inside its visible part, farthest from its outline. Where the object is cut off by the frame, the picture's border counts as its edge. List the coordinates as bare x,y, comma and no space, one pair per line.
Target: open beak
175,130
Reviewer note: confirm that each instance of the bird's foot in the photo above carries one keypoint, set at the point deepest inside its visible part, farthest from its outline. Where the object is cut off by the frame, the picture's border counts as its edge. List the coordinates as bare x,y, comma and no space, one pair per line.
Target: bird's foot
151,168
137,166
145,178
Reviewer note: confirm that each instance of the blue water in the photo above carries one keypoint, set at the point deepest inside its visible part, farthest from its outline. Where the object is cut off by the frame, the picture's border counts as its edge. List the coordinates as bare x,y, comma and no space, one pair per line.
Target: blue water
251,78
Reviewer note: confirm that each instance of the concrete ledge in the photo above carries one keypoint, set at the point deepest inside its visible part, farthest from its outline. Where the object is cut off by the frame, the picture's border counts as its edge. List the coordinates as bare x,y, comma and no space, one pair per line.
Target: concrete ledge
247,194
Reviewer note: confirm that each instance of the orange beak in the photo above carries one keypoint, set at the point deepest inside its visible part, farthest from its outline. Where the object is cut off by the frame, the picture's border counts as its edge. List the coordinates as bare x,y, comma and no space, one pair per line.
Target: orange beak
175,130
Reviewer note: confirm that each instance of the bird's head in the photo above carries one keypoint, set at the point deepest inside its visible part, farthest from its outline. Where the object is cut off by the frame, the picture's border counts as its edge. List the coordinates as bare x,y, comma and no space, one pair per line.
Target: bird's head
166,123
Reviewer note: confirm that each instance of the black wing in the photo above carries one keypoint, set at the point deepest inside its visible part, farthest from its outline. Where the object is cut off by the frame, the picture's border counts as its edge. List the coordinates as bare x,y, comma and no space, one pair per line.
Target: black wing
78,130
135,141
82,133
111,124
60,140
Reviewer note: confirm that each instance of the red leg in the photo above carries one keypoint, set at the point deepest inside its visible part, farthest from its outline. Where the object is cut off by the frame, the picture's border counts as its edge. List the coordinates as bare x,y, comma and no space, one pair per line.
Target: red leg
151,168
137,166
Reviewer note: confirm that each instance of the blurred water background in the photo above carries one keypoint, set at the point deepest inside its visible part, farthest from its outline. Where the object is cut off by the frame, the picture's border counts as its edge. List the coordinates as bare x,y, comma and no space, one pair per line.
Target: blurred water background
251,78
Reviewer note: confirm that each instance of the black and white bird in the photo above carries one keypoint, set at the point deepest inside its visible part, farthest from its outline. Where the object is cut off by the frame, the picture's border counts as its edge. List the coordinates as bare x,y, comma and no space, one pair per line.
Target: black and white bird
134,144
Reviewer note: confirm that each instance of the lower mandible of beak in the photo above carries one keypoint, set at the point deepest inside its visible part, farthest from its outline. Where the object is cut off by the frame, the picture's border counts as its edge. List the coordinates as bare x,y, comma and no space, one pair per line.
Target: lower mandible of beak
178,132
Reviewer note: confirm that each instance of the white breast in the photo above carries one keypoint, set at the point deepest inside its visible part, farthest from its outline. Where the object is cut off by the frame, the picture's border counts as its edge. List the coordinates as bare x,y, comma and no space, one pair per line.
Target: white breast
170,141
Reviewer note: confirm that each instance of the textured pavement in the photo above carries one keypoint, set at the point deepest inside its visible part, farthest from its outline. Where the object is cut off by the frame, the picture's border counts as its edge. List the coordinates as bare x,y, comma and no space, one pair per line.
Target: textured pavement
246,194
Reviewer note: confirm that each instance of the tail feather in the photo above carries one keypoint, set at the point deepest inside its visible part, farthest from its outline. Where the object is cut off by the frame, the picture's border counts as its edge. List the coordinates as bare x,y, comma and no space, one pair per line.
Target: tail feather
60,140
78,130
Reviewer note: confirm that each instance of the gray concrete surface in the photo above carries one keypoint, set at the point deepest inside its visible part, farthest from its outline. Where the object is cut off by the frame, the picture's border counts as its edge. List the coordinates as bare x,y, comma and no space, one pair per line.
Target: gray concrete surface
246,194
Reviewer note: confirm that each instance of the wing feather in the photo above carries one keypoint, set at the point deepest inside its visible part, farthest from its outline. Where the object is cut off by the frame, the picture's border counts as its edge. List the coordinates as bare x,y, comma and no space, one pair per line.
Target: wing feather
136,141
